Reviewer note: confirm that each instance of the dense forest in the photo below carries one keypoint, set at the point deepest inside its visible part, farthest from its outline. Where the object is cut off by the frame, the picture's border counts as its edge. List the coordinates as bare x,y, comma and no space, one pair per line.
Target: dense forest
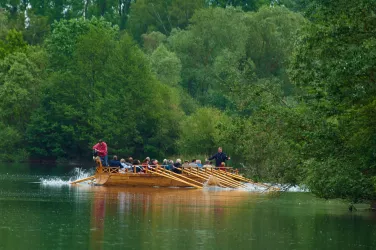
286,87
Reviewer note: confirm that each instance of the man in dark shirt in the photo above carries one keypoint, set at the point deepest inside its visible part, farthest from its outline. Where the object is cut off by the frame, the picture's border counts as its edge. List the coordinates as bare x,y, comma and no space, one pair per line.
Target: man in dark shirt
114,162
219,157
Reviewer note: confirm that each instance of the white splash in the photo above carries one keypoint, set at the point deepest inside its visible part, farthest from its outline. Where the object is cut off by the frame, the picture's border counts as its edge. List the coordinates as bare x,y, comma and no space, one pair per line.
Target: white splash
259,188
76,174
55,181
80,173
267,187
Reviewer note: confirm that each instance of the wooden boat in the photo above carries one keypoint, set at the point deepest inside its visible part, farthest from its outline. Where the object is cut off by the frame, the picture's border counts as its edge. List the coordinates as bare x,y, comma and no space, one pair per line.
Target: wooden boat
159,176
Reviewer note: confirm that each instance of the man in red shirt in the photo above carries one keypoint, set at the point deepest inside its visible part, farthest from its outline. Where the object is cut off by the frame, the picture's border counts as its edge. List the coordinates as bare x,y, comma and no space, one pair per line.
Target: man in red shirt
101,149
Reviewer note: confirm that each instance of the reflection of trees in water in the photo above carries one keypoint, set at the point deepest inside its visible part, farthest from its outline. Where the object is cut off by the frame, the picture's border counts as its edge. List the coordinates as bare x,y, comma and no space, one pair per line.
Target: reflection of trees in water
98,212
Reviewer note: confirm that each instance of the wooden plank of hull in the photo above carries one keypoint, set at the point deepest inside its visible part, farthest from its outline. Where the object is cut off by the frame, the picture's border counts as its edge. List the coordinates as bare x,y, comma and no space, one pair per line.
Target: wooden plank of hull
148,180
101,179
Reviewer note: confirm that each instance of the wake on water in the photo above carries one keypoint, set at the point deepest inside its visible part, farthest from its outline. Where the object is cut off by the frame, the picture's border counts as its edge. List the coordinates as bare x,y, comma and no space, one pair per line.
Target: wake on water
79,173
249,187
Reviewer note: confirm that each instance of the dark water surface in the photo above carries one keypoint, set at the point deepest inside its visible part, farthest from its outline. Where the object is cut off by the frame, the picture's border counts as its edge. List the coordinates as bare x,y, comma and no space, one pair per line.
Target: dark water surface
58,216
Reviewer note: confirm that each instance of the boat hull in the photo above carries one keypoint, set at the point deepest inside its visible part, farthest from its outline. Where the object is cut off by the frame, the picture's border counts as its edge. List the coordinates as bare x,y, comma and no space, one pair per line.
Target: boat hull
136,180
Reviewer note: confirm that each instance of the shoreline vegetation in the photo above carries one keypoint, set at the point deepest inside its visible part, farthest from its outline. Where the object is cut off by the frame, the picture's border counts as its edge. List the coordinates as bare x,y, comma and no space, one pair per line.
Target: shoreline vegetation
286,87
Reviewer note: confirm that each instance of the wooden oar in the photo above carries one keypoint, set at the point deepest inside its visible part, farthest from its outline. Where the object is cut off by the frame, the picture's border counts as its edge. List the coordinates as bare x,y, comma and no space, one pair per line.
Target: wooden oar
181,176
255,183
223,182
242,178
160,173
82,180
228,179
202,177
225,175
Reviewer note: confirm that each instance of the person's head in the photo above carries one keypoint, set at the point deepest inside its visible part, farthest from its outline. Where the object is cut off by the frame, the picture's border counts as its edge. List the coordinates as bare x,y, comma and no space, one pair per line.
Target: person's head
165,161
115,158
170,162
147,158
178,160
136,162
223,164
207,162
122,160
130,159
219,150
100,141
198,161
194,160
186,161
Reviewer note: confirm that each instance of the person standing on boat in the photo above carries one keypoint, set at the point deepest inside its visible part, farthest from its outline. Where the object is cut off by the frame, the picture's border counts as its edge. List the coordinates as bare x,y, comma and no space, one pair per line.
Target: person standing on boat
101,149
219,157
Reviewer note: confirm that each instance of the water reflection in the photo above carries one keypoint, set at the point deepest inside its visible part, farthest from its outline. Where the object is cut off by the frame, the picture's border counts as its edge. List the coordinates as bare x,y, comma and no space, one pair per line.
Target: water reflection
149,212
144,218
98,212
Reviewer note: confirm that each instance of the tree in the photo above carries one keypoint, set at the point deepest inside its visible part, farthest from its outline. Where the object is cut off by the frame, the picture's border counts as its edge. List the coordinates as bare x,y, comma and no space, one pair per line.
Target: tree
65,34
246,5
107,90
14,42
333,67
158,15
166,66
214,64
203,131
152,40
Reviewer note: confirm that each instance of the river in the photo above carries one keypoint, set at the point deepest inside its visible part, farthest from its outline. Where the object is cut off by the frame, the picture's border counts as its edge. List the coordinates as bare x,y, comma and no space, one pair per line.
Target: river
40,210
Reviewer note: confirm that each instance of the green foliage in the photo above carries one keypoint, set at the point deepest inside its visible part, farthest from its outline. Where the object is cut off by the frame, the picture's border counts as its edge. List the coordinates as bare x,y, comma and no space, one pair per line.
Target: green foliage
152,40
61,43
3,24
212,59
11,148
333,66
106,91
246,5
21,77
203,131
37,29
166,65
159,15
13,43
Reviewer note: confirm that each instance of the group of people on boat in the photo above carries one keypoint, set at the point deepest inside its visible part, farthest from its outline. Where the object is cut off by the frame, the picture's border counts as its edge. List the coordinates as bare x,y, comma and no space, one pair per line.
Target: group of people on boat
133,165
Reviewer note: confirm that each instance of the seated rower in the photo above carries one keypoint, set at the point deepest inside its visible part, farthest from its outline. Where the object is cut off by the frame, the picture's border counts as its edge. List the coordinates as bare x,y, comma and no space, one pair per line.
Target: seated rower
176,166
145,164
186,164
222,167
193,163
154,164
208,164
198,163
170,165
137,167
127,166
114,162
